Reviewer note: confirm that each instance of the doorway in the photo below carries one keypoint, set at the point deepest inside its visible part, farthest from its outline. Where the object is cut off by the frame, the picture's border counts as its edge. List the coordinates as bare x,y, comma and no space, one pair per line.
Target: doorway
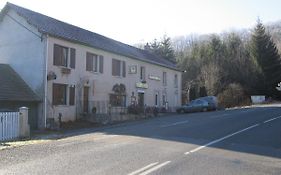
86,99
141,99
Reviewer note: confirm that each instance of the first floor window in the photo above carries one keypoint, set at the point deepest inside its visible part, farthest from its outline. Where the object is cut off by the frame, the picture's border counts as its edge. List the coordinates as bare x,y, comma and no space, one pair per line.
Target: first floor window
142,73
117,100
60,55
94,63
164,78
118,68
59,94
64,56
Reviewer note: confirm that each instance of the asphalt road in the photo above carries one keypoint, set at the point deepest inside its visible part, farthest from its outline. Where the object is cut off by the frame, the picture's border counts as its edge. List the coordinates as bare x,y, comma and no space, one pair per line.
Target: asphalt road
242,141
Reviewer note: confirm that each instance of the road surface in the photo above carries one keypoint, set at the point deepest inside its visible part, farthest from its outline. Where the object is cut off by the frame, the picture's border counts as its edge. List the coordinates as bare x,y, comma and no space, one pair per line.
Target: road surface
241,141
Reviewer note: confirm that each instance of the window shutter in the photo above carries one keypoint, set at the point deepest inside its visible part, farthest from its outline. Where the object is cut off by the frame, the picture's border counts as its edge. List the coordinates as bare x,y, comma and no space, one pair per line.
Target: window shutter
55,94
123,68
101,64
72,58
71,95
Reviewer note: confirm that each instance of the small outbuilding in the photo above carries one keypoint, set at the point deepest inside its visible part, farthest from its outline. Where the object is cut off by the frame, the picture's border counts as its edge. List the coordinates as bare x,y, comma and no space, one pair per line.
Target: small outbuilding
15,93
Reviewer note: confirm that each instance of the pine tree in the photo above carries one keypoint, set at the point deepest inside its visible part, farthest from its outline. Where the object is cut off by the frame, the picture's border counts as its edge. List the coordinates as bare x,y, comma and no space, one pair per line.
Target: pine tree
163,48
263,50
166,49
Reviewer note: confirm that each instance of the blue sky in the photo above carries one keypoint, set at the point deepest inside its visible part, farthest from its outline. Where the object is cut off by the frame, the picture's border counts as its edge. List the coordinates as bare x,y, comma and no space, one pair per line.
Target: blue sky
135,21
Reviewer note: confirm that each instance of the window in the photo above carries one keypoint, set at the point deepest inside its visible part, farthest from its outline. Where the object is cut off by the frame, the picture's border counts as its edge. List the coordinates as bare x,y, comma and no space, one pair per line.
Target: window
163,100
62,55
176,81
118,68
117,100
94,63
59,94
72,95
156,99
164,78
142,73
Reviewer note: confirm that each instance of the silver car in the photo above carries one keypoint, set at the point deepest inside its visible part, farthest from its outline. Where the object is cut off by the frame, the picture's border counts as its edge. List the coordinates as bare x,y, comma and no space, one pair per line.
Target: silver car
194,106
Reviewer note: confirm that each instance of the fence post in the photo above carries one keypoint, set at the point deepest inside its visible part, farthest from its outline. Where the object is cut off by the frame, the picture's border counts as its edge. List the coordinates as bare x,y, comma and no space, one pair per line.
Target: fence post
23,123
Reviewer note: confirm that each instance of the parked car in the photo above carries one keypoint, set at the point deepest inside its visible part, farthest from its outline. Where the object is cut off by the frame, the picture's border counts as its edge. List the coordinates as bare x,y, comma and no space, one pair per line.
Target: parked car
197,105
212,100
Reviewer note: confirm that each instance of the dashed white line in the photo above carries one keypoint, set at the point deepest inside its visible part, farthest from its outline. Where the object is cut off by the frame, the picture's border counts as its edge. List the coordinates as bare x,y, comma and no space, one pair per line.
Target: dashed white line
174,124
221,139
143,169
149,168
155,168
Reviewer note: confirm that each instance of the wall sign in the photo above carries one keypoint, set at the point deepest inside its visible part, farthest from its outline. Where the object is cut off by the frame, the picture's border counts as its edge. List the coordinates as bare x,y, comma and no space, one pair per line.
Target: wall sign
133,69
152,77
142,85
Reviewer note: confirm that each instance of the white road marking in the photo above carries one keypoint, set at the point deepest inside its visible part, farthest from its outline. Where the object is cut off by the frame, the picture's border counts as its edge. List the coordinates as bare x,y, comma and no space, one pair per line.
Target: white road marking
271,119
143,169
154,168
174,124
221,139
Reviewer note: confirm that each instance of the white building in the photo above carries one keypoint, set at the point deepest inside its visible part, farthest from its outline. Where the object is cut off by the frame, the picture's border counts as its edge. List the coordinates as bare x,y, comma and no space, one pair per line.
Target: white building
73,70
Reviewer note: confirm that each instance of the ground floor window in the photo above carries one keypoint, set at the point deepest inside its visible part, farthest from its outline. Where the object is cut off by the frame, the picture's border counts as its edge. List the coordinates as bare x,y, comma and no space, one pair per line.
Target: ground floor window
117,100
156,99
59,94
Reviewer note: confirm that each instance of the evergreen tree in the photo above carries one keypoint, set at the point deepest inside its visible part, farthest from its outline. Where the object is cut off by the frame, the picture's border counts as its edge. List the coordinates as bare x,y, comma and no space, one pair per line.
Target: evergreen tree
163,48
264,51
166,49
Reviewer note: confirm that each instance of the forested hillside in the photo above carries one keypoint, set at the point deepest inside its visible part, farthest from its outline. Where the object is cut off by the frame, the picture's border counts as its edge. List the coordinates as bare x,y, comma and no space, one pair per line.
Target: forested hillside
230,65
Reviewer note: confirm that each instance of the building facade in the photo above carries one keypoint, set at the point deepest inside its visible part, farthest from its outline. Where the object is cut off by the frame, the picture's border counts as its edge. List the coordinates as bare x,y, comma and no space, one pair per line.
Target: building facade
75,71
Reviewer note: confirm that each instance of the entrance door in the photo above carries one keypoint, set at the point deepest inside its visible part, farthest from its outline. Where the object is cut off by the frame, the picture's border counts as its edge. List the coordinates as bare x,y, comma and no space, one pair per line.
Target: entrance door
86,99
141,99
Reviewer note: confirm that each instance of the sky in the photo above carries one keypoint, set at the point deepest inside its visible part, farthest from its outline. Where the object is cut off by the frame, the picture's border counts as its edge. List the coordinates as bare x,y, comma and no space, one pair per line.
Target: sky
141,21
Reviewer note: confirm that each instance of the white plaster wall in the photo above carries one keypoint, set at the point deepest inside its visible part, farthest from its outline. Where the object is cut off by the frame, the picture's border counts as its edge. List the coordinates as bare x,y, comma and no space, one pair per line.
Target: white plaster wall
104,82
23,50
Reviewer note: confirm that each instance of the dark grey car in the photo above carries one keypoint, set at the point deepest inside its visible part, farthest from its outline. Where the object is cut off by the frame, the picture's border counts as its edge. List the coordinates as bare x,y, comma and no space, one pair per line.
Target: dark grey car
194,106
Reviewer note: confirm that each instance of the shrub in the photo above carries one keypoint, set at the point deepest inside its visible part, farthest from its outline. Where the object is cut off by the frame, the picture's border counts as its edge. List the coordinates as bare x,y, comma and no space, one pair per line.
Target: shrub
233,95
133,109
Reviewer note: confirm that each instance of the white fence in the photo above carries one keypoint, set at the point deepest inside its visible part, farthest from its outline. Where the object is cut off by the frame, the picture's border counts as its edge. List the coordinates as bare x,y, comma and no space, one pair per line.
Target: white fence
9,125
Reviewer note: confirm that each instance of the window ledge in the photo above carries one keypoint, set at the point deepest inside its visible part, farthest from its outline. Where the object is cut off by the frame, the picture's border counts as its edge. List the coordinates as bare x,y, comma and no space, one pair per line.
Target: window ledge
115,76
65,106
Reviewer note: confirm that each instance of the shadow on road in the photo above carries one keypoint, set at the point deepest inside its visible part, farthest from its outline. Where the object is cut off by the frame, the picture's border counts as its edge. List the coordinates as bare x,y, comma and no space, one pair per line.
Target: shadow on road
202,128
